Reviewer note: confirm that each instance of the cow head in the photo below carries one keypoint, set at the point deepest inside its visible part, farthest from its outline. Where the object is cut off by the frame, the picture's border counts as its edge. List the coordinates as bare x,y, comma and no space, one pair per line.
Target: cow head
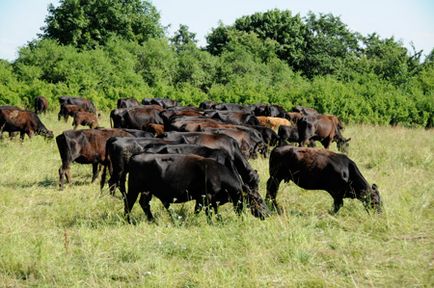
372,199
46,133
258,208
343,145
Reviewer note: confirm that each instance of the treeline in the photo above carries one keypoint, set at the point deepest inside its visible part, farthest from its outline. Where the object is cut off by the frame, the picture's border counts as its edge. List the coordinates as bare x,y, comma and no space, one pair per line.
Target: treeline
271,57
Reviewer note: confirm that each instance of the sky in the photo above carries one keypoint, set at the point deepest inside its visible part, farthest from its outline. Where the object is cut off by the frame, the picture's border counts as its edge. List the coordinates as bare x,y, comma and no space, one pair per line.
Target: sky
410,21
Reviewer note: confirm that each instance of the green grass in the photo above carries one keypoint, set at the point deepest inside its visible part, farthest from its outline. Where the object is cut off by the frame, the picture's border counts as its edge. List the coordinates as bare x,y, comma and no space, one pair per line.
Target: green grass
78,237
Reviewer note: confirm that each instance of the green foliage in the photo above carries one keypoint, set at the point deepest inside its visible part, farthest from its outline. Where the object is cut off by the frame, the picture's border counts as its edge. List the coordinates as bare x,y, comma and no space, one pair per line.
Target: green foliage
89,24
183,38
280,26
10,87
328,43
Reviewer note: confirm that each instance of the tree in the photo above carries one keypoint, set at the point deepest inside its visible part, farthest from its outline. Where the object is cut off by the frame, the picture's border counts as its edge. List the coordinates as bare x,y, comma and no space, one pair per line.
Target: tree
90,23
280,26
328,43
183,38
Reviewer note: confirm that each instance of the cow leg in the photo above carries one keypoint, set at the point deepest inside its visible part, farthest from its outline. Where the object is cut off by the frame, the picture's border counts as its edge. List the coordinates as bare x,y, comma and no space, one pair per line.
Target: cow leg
61,177
64,170
129,202
112,185
144,200
215,206
272,188
338,203
95,171
122,181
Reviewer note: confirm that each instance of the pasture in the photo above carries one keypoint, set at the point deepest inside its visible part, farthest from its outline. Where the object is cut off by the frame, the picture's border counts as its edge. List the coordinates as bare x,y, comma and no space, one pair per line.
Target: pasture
79,237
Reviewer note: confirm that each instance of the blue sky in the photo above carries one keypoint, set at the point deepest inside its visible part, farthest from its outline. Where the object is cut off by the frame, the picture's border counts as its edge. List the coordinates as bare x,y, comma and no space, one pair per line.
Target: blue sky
408,21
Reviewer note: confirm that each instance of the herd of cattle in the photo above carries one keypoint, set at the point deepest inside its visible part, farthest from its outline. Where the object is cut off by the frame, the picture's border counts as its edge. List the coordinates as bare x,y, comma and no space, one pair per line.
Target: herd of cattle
182,153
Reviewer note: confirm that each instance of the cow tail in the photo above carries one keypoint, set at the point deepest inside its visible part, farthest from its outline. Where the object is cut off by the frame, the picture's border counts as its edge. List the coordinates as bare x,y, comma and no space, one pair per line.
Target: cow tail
104,170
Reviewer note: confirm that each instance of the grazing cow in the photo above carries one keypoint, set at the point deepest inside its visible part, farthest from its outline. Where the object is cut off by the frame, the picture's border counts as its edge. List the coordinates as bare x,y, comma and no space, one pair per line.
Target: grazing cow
127,103
85,119
244,171
320,169
178,178
67,110
323,128
41,104
272,122
13,119
85,147
287,134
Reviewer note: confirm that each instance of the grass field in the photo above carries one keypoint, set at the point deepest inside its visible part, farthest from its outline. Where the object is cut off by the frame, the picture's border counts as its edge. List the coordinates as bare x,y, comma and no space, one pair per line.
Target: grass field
79,238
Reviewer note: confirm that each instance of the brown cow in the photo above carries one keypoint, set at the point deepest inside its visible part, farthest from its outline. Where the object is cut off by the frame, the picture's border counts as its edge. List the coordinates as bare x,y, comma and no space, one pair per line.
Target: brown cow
13,119
273,122
323,128
85,119
85,147
67,110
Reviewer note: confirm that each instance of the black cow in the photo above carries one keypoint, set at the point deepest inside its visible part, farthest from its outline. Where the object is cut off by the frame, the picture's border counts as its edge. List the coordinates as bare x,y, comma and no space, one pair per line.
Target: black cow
13,119
287,134
320,169
223,157
127,103
178,178
41,104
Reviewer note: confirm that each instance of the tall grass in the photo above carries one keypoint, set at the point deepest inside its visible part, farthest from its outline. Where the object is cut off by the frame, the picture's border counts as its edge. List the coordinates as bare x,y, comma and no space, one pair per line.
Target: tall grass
79,238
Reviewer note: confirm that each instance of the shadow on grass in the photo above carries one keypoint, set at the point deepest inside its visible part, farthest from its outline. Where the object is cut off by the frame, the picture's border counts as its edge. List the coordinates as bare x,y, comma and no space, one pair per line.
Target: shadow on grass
48,183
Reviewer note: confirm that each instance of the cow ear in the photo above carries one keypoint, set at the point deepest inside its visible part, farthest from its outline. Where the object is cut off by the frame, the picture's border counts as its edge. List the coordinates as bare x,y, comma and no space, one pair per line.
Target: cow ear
348,140
374,186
